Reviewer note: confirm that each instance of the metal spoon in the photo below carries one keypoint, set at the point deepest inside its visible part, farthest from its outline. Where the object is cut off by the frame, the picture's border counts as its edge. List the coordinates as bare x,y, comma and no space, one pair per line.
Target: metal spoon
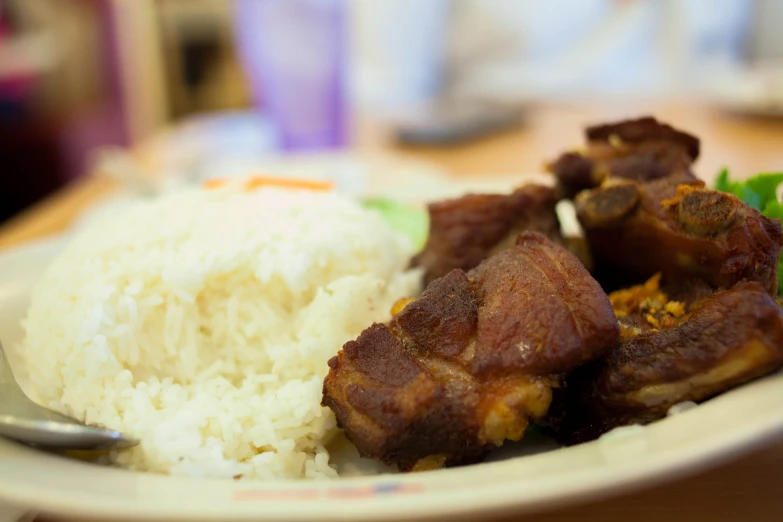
24,421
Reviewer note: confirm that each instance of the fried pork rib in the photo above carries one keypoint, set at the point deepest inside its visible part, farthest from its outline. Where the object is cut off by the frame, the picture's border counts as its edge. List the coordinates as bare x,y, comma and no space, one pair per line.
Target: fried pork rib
709,347
465,231
644,214
466,365
642,150
676,226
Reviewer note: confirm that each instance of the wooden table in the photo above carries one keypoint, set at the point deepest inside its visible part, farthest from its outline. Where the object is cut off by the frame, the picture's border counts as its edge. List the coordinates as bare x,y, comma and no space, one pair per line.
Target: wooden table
751,488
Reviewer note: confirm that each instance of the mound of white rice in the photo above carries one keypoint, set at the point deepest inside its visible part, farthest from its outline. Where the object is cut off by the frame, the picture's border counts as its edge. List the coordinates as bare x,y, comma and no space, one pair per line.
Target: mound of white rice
202,323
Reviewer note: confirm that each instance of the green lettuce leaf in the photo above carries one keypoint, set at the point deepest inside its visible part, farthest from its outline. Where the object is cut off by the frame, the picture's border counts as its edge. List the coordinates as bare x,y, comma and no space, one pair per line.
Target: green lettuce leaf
760,192
411,221
765,186
774,210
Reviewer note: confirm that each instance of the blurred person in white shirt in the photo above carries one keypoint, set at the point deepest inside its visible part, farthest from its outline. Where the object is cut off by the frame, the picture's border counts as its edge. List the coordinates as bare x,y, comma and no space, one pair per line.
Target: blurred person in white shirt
408,51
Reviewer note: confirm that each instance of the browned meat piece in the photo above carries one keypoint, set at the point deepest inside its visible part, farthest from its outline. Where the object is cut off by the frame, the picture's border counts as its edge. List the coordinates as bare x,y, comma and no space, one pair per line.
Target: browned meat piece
466,365
680,229
641,150
725,340
644,130
575,172
465,231
641,162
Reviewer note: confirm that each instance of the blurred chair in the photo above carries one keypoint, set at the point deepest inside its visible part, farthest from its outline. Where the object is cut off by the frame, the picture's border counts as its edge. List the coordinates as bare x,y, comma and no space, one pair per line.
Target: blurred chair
137,52
74,76
134,105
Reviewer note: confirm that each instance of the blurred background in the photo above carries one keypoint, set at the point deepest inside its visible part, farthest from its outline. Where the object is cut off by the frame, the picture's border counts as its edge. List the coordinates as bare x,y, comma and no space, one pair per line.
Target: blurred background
81,80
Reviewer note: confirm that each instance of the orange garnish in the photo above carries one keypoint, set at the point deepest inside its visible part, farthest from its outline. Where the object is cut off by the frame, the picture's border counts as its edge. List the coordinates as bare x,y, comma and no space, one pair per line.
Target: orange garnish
214,183
305,184
264,181
255,182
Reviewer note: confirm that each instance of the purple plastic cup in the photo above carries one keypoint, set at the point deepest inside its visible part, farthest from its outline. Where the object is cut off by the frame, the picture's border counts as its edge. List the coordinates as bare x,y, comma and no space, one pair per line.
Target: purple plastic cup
294,54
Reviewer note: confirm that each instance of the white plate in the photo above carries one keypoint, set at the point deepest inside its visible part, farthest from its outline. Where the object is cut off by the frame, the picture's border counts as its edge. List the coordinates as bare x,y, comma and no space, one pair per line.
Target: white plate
719,429
375,174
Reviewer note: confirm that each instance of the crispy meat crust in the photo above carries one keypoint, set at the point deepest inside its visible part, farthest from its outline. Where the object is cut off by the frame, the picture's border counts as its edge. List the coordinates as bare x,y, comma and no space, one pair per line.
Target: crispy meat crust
722,341
644,130
641,150
465,231
466,365
680,229
512,328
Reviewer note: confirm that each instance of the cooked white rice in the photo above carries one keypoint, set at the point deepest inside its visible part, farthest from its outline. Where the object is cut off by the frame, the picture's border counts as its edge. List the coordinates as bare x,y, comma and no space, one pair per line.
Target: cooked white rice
202,323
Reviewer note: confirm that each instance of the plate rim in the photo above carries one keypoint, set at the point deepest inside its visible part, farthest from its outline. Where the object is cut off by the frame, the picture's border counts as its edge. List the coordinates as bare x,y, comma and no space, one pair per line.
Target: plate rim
583,485
612,481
